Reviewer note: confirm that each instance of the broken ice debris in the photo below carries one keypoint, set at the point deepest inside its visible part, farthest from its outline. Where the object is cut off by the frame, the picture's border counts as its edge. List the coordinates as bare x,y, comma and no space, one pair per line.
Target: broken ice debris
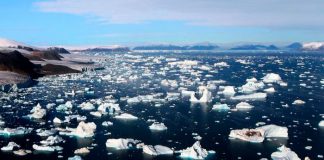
244,105
157,150
194,152
83,130
126,116
158,126
284,153
122,143
47,148
221,64
251,87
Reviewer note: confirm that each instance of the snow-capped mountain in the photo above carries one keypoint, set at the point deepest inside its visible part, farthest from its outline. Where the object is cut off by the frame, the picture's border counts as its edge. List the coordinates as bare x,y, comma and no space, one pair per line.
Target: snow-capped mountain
10,43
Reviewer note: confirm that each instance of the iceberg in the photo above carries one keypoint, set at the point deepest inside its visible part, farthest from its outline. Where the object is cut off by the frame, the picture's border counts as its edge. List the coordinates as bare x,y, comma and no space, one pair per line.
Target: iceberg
51,140
194,152
157,150
220,107
10,146
321,123
228,91
221,64
251,87
109,108
47,148
83,130
86,106
270,90
75,158
15,132
57,120
82,151
206,96
64,107
22,152
250,96
272,78
258,135
158,126
284,153
37,112
298,102
122,143
244,105
126,116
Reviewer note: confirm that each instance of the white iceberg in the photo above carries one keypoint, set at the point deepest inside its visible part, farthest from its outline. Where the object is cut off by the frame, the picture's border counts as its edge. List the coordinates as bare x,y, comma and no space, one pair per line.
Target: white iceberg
51,140
194,152
321,123
82,151
253,96
298,102
228,91
10,146
126,116
284,153
57,120
37,112
15,131
158,126
206,95
122,143
220,107
221,64
76,157
251,87
272,78
86,106
157,150
270,90
244,105
22,152
83,130
109,108
274,131
47,148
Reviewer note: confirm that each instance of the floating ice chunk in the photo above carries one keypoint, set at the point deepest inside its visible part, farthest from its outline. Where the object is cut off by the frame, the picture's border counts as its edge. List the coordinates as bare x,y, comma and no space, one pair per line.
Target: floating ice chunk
298,102
22,152
107,123
284,153
10,146
57,120
274,131
82,151
45,133
228,90
51,140
169,83
194,152
185,93
158,126
47,148
76,157
270,90
15,132
37,112
272,78
133,100
221,64
96,114
72,93
250,96
206,96
122,143
220,107
321,123
126,116
64,107
250,87
250,135
157,150
244,105
83,130
86,106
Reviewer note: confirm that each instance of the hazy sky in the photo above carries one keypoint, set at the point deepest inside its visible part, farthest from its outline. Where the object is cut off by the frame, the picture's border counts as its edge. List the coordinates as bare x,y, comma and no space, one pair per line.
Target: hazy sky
84,22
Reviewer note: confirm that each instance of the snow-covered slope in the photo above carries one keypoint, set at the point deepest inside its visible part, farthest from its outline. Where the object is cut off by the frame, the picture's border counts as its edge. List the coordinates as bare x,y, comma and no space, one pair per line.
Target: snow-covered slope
10,43
313,46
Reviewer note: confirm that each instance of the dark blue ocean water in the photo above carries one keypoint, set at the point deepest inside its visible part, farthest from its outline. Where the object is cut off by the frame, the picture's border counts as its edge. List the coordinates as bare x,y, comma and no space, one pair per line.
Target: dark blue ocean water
181,117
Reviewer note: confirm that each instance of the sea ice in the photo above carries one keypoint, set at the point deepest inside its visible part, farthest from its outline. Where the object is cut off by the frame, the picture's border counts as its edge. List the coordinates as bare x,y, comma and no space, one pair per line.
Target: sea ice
251,87
82,151
83,130
10,146
37,112
272,78
298,102
220,107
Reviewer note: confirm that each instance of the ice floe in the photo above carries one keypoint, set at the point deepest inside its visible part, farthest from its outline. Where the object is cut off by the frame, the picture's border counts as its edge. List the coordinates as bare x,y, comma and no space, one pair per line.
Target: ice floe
194,152
122,143
158,126
157,150
284,153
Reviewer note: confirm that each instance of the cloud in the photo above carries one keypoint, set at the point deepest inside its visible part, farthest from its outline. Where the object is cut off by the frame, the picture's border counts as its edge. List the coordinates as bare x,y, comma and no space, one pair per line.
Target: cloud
238,13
